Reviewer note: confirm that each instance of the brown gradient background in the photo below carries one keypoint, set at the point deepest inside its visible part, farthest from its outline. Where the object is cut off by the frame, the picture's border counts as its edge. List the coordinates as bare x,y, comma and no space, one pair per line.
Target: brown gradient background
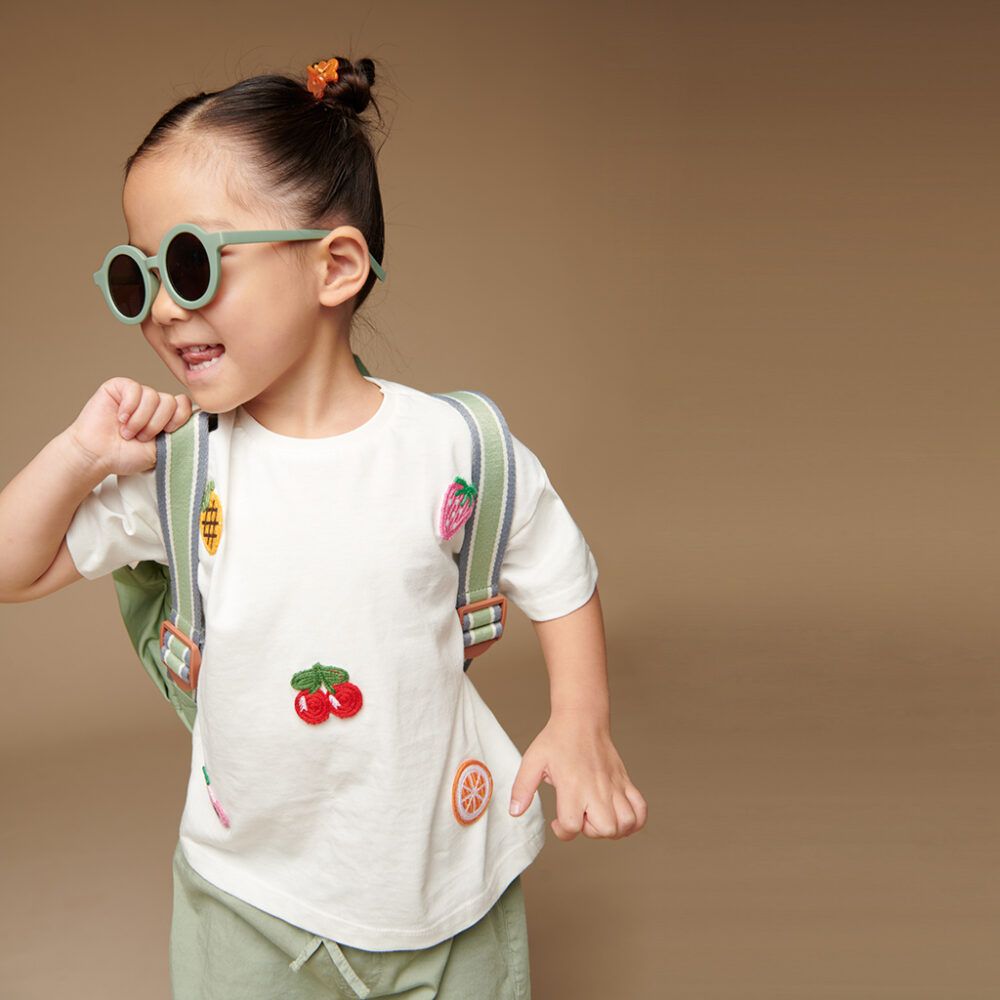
726,267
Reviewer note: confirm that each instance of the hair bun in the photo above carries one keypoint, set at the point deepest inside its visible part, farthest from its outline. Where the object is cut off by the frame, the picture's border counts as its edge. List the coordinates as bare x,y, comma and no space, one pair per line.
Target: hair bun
353,87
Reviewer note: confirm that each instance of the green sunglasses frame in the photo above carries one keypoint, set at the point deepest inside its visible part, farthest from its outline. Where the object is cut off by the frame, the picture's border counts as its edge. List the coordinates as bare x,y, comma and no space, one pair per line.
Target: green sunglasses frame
213,244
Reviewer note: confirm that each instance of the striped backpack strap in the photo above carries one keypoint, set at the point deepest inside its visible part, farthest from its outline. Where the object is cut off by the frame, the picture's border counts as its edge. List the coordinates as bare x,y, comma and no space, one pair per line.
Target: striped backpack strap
181,471
482,609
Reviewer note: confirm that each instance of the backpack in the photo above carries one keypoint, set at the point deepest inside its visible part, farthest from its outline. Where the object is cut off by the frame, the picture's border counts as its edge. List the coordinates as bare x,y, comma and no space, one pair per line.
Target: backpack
161,605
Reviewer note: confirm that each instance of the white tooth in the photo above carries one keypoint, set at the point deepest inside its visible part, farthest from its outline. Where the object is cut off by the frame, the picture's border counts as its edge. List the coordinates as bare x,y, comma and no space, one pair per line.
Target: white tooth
203,364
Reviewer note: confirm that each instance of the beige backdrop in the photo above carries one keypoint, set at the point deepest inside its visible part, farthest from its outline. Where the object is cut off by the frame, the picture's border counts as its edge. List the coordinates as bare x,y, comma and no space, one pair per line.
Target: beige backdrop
725,267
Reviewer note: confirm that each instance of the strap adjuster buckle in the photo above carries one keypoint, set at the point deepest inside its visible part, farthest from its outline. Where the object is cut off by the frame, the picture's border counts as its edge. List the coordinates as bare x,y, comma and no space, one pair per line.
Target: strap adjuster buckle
194,658
478,648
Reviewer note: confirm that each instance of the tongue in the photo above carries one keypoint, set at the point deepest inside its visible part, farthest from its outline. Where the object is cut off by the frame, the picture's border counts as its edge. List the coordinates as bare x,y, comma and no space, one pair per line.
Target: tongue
196,356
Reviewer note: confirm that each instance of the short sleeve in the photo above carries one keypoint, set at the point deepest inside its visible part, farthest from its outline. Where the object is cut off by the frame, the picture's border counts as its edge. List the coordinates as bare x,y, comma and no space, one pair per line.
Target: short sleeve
116,525
548,569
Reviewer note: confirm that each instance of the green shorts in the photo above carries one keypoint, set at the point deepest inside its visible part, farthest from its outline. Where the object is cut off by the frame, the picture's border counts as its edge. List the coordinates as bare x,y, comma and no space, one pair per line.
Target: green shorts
222,948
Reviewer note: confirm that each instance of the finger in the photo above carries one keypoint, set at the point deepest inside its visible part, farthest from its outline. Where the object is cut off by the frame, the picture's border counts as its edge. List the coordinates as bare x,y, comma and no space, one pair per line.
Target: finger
639,807
127,393
182,414
567,829
601,822
625,817
165,407
529,777
570,815
149,400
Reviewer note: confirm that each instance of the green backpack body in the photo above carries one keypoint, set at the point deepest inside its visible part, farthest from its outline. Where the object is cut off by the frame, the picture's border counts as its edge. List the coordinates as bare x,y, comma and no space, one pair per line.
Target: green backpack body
161,605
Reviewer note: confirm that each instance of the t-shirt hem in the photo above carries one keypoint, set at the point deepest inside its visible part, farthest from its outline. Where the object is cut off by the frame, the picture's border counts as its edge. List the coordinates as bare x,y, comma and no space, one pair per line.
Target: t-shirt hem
266,899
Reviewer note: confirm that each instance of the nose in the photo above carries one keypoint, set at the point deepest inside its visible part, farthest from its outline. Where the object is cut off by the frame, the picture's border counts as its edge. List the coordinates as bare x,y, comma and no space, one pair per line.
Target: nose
164,310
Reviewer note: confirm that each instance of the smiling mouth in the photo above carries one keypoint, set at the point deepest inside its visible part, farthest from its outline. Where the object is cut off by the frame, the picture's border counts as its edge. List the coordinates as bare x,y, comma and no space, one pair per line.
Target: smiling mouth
200,356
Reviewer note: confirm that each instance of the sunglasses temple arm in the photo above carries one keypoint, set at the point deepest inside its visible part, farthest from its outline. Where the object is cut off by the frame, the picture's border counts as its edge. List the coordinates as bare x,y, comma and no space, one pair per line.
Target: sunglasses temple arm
267,236
287,236
376,267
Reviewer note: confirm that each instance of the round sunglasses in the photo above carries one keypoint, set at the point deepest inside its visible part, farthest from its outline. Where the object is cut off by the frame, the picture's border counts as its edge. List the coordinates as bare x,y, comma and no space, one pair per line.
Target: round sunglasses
189,265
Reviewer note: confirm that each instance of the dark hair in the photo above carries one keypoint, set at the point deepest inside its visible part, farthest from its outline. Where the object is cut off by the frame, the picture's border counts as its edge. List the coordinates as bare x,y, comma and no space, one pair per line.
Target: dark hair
316,152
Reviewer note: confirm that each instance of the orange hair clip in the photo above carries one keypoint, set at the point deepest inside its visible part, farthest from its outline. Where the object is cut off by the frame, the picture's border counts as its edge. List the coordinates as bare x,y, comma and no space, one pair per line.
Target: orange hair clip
320,74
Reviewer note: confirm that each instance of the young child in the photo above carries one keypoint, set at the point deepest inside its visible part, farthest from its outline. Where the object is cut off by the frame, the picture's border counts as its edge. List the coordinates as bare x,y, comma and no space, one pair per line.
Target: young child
329,855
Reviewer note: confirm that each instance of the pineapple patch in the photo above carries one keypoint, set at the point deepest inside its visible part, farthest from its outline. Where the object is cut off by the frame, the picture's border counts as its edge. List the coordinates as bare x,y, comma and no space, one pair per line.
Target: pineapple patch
325,691
210,520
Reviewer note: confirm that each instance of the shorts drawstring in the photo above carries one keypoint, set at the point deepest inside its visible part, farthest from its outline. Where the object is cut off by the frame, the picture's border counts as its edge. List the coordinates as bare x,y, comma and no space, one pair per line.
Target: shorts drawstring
352,979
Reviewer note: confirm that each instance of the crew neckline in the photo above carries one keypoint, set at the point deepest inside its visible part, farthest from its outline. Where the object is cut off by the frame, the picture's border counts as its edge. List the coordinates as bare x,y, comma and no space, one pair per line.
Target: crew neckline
249,426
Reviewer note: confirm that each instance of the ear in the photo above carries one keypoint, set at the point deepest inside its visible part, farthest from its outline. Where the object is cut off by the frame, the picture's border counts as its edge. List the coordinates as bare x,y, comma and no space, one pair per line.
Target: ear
344,265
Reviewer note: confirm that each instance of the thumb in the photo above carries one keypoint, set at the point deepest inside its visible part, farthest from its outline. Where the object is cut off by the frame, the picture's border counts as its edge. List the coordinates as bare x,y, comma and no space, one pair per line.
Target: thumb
529,777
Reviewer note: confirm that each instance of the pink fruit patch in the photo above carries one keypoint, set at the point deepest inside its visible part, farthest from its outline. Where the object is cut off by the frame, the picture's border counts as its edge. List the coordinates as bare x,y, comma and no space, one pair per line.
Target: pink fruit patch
216,805
457,508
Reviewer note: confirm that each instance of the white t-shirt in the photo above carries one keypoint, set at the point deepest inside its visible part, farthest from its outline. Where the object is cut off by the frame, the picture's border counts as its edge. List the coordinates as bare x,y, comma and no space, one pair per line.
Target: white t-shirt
364,828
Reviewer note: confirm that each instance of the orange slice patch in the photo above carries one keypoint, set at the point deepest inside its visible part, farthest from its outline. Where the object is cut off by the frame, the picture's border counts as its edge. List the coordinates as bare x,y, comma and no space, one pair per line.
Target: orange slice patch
471,792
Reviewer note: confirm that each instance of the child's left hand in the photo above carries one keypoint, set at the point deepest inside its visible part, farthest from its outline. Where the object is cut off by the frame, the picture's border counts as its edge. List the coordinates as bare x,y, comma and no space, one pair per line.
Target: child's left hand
594,795
574,752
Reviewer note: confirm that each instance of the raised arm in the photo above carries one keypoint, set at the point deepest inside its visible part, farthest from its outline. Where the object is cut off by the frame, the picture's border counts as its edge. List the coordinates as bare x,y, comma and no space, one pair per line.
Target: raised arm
574,751
114,433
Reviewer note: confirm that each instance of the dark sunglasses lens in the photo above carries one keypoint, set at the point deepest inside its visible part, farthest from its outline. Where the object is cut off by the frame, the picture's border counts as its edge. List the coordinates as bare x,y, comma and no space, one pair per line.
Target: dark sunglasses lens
187,266
128,292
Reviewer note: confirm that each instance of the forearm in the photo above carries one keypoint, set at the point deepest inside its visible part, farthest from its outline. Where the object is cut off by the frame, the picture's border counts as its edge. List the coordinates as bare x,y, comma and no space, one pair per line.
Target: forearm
574,751
575,655
36,509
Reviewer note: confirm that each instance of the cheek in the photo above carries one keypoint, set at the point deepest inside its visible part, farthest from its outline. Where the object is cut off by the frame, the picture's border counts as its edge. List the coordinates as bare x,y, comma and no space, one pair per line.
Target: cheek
155,341
149,335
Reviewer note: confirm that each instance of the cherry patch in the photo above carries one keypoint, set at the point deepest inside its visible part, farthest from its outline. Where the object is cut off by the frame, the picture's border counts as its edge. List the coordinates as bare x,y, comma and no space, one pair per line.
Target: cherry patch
325,691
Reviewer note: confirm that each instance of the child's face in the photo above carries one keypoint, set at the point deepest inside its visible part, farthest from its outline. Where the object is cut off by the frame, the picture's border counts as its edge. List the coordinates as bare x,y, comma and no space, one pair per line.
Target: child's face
260,336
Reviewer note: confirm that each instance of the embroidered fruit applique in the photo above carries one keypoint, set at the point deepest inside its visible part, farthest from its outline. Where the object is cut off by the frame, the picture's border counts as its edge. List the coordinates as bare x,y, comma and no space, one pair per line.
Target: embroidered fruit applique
471,791
216,805
210,519
457,508
325,691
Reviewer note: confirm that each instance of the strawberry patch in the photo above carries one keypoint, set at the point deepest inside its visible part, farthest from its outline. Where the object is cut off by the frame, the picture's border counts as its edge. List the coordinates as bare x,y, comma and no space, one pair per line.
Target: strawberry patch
216,805
325,691
457,508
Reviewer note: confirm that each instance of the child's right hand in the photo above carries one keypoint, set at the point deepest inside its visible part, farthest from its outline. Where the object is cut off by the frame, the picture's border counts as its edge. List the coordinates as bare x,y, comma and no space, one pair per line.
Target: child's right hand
114,433
116,430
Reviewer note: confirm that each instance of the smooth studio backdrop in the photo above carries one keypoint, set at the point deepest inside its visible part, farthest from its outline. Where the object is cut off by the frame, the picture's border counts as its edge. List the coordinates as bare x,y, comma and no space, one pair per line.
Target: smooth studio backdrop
725,268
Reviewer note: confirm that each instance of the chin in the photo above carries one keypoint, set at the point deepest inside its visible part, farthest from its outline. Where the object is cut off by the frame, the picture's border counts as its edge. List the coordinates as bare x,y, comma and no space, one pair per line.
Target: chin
214,405
212,402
